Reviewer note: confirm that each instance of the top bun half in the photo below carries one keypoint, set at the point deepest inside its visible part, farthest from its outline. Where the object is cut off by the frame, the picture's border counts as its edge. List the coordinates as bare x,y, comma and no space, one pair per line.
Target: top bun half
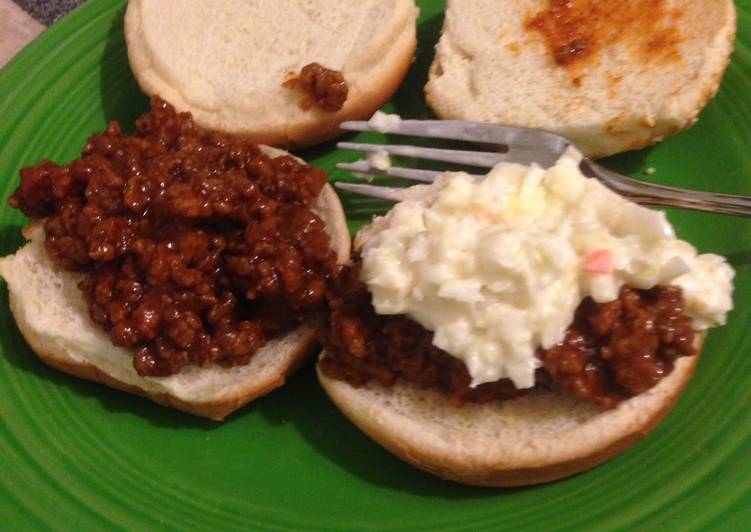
644,72
225,62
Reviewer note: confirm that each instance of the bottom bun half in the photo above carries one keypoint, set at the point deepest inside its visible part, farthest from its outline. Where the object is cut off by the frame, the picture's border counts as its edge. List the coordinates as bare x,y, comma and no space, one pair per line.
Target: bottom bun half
536,438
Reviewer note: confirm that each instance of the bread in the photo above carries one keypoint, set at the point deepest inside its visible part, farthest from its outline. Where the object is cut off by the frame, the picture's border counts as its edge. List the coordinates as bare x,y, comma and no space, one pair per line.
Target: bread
225,62
536,438
631,92
54,319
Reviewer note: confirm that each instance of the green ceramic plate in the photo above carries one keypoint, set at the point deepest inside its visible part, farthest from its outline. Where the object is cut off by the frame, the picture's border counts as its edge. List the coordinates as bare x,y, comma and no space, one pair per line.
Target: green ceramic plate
79,455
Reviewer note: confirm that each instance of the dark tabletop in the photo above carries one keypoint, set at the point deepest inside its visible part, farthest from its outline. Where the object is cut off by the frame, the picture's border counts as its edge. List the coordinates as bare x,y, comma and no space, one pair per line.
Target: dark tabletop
48,11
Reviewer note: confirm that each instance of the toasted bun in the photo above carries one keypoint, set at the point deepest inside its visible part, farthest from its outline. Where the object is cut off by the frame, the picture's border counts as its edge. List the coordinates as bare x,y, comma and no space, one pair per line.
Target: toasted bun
489,68
225,62
53,318
536,438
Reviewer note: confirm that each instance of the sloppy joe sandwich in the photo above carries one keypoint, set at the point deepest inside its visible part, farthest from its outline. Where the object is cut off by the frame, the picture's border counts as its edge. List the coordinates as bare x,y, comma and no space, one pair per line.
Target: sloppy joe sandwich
611,76
178,264
278,72
519,328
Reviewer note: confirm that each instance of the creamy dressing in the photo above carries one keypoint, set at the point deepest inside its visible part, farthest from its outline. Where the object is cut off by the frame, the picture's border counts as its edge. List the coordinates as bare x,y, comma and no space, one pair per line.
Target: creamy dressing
379,160
384,122
497,267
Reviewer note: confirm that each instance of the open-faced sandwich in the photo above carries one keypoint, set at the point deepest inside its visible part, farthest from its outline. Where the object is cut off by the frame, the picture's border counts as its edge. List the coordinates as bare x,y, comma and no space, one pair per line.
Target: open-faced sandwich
519,328
176,263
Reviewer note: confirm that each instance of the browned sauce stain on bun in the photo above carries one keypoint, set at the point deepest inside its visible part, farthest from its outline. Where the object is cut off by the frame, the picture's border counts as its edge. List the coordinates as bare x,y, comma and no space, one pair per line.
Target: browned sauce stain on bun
576,31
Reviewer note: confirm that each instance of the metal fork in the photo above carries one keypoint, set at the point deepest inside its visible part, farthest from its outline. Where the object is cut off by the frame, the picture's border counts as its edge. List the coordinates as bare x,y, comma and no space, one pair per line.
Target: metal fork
519,145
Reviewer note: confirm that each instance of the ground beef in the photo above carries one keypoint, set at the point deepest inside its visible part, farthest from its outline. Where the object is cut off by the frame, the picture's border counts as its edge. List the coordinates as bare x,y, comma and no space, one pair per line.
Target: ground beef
197,247
611,352
323,88
622,348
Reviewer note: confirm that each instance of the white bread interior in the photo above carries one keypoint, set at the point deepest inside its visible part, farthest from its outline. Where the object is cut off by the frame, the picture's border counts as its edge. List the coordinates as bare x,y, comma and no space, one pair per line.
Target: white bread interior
488,68
54,319
225,62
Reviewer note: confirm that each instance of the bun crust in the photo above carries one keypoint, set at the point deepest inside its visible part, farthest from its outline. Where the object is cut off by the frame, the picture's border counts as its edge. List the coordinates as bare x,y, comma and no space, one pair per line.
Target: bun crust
227,88
540,437
488,68
53,318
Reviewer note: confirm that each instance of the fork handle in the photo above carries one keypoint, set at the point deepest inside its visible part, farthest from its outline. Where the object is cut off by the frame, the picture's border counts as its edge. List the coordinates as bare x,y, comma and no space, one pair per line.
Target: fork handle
665,196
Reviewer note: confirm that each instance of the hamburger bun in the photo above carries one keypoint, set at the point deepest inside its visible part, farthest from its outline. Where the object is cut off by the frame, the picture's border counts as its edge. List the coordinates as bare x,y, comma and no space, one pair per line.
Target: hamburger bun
630,92
54,319
225,62
536,438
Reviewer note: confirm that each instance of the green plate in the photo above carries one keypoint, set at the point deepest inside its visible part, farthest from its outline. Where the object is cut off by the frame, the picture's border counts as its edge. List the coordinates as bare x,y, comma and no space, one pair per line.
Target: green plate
78,455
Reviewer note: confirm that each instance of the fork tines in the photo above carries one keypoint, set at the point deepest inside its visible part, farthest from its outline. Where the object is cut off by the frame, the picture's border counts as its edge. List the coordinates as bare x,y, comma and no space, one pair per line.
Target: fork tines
373,191
363,167
470,158
460,130
515,144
